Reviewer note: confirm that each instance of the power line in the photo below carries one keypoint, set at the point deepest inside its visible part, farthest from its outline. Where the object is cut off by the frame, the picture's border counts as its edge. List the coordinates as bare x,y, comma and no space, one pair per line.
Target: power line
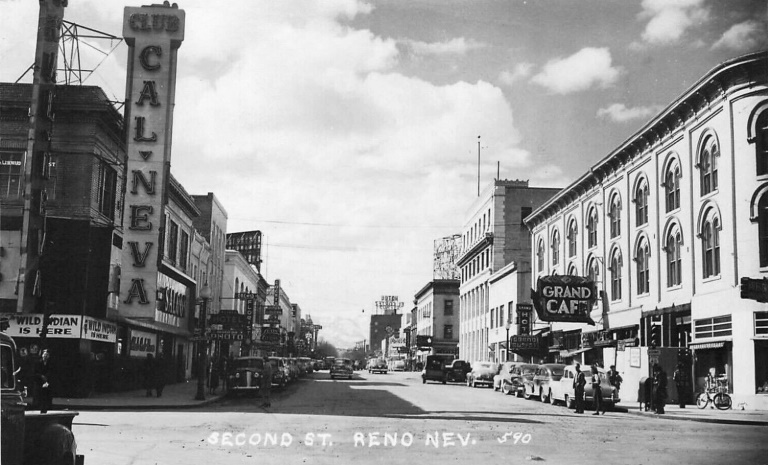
344,225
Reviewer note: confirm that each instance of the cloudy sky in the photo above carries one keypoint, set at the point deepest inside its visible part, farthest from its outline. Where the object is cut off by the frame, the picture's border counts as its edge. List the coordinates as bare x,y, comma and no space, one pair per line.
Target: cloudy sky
346,131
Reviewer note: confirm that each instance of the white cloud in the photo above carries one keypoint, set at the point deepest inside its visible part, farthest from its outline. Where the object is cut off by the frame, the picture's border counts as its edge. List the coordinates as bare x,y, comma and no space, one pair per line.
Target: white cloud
521,71
456,46
742,36
621,113
586,68
670,19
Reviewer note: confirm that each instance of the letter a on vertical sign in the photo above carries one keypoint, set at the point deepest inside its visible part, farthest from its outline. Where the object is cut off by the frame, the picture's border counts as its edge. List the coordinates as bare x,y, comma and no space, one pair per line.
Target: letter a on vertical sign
154,34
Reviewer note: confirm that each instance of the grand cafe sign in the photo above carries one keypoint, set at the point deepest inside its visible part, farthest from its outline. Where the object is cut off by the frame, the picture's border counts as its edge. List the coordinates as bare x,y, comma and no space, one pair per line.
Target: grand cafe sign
153,34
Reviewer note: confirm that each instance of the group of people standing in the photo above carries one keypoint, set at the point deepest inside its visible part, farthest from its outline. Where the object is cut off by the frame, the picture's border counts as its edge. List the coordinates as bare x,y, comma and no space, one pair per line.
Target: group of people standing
580,382
154,378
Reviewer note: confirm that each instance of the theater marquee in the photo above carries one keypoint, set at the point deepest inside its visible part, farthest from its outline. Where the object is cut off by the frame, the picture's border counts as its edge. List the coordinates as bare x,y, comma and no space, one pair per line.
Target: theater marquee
153,34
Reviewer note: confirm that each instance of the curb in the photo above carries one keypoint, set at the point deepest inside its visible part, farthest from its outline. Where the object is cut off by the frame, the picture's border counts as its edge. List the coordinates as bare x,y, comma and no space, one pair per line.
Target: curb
672,416
89,407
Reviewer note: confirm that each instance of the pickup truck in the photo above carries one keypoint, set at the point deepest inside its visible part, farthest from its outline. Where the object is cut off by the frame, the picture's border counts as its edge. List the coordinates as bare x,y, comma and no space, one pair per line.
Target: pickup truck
29,437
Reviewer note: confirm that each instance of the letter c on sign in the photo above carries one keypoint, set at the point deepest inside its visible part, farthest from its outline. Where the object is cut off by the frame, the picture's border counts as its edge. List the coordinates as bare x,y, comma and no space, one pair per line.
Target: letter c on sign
144,57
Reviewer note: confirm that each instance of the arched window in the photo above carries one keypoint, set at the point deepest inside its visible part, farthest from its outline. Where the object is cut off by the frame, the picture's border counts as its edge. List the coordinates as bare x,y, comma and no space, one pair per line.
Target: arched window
672,187
555,247
615,216
572,271
674,243
762,225
641,203
592,228
540,256
642,258
616,264
761,136
572,234
708,165
593,271
710,246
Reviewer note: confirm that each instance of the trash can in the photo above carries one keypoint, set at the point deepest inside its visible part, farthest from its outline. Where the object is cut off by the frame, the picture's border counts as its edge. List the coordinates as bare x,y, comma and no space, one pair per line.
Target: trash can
644,393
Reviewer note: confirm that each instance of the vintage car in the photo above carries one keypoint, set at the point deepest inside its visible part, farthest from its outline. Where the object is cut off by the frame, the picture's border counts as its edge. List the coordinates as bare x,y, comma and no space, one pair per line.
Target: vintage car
398,365
377,365
341,368
509,380
281,374
482,374
434,369
546,375
562,390
457,371
527,372
245,375
30,437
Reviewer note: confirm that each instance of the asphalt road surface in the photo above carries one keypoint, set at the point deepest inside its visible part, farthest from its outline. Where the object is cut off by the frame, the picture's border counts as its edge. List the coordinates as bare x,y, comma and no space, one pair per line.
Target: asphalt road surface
393,418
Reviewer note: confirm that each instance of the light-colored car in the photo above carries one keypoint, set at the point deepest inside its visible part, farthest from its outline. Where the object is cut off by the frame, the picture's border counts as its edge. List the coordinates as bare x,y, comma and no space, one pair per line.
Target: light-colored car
280,372
562,390
482,374
341,368
398,365
546,374
509,379
527,372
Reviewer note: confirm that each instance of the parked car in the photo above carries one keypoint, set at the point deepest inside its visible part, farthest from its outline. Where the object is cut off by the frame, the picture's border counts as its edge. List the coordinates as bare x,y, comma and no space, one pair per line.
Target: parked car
482,374
398,365
457,371
546,374
434,369
562,390
245,375
528,371
509,380
341,368
280,372
377,365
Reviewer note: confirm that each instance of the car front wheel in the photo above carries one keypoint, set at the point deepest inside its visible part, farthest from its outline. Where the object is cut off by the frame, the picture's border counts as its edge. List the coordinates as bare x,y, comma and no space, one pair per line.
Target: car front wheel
551,399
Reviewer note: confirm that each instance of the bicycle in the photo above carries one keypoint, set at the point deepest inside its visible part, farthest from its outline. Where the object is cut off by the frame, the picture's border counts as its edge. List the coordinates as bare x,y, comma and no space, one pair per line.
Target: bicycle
721,399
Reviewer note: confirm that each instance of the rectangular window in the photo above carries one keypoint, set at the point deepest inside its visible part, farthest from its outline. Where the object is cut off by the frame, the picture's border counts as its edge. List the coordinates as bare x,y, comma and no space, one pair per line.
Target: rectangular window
107,190
10,175
761,323
448,332
713,327
183,251
173,238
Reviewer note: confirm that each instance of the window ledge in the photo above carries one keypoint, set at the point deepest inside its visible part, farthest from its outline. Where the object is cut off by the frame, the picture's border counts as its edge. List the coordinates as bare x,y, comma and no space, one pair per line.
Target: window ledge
709,279
674,287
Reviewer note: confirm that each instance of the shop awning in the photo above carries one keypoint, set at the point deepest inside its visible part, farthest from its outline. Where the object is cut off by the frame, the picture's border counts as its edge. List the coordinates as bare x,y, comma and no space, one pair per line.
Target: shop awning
155,326
571,353
707,345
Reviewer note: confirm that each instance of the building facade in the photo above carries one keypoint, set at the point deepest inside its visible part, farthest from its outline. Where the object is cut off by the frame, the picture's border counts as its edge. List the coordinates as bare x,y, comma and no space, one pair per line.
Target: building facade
667,225
493,236
437,316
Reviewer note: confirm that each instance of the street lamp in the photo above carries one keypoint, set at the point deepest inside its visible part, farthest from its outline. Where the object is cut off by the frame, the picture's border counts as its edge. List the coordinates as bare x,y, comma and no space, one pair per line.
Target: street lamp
506,358
202,343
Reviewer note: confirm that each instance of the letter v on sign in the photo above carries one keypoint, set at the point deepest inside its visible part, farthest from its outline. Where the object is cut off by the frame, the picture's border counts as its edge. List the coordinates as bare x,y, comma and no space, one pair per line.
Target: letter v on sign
145,154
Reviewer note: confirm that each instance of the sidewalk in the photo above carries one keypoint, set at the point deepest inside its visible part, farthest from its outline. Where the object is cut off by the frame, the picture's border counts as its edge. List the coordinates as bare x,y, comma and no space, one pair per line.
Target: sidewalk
179,395
708,415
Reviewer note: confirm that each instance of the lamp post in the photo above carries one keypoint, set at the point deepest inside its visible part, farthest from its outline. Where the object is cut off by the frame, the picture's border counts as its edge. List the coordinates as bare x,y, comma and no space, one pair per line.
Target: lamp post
202,343
506,356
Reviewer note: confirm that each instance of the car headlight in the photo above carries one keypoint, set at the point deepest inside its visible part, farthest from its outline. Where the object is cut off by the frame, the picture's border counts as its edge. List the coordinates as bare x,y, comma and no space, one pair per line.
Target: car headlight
237,375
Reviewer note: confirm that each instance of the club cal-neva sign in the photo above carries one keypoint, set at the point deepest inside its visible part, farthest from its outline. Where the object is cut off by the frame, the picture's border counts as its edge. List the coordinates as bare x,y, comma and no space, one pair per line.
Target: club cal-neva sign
564,298
153,34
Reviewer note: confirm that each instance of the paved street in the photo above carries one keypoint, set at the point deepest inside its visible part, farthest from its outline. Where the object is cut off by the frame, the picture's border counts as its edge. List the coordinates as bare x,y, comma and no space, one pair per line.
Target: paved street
394,418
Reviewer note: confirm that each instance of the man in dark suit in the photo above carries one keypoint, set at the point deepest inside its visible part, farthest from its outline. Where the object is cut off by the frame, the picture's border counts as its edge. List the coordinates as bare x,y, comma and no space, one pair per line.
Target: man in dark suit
43,397
578,388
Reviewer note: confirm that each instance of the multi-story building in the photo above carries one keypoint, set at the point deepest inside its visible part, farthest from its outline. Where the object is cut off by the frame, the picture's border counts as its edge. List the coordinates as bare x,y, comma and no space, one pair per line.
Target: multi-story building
381,327
241,282
493,236
212,224
437,316
666,225
78,251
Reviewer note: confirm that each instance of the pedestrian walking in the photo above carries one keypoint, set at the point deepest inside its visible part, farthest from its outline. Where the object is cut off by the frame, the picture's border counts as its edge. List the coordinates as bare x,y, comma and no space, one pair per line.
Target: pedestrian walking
681,383
615,379
578,388
597,392
266,383
149,371
659,389
159,376
213,381
43,395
